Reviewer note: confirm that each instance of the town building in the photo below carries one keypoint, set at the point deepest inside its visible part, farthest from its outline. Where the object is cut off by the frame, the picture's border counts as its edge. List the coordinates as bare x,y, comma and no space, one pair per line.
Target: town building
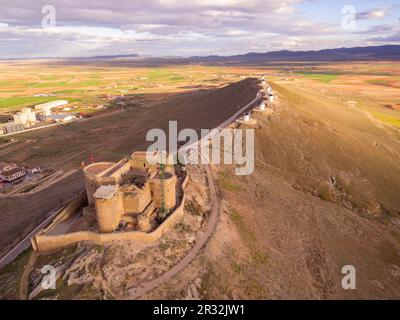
13,174
21,120
59,118
7,166
11,127
26,117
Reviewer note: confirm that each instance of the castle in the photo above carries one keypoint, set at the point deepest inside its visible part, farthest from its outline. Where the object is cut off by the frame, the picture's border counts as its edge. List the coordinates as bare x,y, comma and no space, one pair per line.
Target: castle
132,192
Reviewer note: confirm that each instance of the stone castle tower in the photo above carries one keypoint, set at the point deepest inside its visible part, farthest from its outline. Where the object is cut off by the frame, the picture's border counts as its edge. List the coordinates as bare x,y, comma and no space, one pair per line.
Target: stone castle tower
130,190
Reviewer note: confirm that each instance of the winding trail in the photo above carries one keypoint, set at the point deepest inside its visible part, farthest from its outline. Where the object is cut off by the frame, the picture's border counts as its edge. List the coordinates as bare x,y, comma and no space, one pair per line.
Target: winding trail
201,241
24,282
202,237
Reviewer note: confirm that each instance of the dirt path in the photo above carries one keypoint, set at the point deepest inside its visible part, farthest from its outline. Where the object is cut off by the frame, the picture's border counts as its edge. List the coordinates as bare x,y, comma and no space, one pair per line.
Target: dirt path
381,125
8,144
203,238
201,241
13,148
24,282
190,111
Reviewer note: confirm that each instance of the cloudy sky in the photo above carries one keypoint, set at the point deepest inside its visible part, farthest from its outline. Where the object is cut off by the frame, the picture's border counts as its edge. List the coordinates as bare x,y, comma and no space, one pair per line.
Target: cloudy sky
30,28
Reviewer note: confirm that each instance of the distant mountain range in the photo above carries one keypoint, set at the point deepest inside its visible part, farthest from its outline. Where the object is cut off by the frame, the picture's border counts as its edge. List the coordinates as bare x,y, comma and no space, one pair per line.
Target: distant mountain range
110,57
373,53
388,52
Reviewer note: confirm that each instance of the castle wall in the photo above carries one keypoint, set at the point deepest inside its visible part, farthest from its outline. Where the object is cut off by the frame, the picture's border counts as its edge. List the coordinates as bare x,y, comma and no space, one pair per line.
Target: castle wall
109,212
90,186
46,243
119,170
43,243
144,220
136,201
67,211
139,160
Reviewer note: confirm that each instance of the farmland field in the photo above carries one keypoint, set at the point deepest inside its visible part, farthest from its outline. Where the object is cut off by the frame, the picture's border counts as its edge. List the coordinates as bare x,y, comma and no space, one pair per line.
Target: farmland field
27,84
373,87
328,152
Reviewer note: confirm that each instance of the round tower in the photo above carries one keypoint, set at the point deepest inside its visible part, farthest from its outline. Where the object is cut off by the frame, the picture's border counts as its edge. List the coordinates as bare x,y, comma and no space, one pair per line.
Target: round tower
93,178
166,185
109,208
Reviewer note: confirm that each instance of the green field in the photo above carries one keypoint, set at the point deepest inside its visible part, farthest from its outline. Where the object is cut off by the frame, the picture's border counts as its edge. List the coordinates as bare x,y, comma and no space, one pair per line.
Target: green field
13,102
20,83
86,86
321,77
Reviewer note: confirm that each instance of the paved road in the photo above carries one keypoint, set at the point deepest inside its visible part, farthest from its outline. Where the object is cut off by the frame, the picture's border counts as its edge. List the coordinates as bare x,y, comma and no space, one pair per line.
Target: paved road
7,144
203,238
26,242
13,147
21,215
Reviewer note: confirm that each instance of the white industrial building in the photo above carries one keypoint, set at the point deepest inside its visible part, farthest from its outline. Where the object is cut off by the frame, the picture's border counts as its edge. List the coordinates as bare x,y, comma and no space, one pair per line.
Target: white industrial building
46,107
60,118
26,117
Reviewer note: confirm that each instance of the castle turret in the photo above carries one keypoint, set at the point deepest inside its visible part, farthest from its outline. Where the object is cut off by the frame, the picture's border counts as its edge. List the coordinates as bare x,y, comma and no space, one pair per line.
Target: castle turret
166,185
109,208
94,179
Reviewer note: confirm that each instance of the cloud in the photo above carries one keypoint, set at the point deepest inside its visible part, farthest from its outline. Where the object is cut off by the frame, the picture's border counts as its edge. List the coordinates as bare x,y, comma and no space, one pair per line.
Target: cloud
378,30
166,27
372,14
120,13
394,38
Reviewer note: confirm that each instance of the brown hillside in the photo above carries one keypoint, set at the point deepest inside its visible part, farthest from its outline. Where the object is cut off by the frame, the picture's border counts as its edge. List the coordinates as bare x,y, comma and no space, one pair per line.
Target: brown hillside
325,194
